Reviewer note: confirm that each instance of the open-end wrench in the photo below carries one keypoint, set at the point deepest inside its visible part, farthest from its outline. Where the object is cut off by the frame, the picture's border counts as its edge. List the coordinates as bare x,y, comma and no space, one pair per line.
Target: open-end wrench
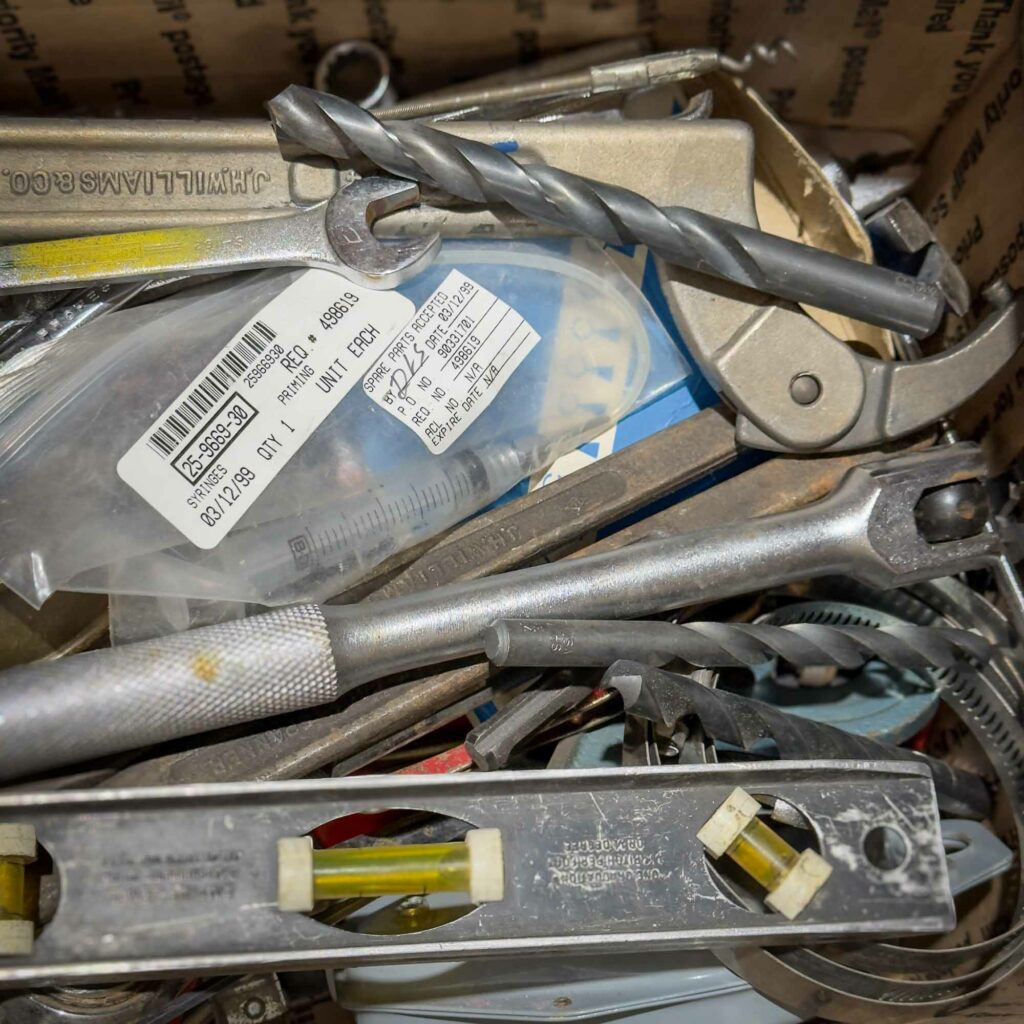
334,235
62,177
104,701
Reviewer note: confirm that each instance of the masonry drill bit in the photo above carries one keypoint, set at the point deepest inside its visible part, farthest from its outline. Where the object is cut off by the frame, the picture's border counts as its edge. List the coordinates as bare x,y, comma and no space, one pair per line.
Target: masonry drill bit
542,643
481,174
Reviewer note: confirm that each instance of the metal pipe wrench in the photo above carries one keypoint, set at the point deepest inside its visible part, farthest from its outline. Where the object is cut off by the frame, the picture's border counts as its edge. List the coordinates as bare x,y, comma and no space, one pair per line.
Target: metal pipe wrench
795,385
104,701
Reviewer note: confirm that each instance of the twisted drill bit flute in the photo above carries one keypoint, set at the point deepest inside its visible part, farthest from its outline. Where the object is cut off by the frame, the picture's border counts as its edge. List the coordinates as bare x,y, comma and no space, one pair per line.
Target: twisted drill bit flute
542,643
667,697
481,174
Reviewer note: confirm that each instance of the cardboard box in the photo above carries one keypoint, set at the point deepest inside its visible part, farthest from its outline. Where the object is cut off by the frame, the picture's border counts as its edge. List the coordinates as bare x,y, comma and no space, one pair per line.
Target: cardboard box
947,74
903,65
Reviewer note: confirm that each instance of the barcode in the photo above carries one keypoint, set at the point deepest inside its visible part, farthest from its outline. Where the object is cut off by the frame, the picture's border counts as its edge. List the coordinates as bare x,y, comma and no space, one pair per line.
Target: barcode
189,413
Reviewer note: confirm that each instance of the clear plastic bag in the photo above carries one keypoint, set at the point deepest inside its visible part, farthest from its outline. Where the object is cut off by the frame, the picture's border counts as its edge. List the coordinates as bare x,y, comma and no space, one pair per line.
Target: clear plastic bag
362,487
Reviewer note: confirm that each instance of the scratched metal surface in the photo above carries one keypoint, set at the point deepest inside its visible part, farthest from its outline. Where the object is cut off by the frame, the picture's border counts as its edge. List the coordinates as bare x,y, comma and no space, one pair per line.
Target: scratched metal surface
61,177
183,879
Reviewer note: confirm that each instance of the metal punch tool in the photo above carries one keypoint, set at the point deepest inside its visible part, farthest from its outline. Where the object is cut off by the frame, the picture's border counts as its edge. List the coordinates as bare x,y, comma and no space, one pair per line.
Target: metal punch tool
335,235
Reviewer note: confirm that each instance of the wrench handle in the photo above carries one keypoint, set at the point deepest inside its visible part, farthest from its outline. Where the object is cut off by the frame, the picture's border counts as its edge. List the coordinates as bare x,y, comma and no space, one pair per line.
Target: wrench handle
74,709
137,255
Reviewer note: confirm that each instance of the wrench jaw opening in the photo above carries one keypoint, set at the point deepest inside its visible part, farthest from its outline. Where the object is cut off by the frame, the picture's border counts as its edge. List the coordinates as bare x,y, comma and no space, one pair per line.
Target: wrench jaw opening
364,258
894,488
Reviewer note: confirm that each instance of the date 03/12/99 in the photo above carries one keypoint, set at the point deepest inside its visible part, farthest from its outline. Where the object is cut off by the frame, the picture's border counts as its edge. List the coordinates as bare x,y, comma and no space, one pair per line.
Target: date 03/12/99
226,496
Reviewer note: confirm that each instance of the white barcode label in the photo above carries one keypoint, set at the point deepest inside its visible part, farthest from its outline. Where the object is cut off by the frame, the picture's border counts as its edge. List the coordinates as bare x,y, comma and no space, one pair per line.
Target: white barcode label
218,445
451,361
192,409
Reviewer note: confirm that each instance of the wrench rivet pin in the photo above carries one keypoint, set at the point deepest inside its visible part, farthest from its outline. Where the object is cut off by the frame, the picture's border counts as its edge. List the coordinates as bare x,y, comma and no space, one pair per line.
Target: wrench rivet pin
805,389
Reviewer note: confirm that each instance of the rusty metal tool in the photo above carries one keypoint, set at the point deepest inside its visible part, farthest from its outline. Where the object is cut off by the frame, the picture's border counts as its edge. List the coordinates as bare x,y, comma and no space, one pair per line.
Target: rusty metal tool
594,496
315,740
492,743
312,740
505,538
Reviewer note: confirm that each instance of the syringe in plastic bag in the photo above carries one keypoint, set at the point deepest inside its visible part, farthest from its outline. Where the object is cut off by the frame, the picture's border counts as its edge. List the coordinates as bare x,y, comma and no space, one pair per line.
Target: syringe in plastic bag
320,553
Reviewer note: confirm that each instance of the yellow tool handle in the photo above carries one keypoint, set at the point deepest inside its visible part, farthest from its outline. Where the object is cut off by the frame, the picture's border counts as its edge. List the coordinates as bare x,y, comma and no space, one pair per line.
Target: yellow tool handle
133,255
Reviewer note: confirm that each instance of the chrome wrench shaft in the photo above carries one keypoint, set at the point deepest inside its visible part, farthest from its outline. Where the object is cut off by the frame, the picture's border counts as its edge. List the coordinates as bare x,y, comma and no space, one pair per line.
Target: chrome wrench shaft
334,235
105,701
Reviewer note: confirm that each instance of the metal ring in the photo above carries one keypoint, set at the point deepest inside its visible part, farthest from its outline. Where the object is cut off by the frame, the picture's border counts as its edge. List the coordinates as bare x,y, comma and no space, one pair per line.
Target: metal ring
356,50
840,985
